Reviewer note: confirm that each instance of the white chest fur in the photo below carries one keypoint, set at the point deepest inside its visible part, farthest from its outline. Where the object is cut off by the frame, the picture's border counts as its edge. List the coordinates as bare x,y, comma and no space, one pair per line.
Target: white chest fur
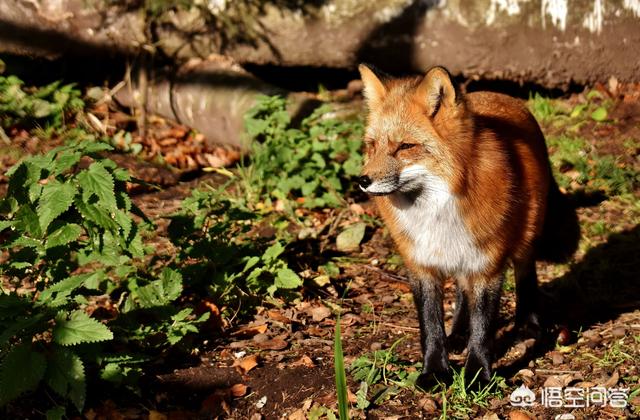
439,238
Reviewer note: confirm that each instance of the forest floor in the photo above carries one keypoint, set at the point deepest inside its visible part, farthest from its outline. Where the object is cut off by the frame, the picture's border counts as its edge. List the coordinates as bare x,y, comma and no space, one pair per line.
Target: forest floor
277,360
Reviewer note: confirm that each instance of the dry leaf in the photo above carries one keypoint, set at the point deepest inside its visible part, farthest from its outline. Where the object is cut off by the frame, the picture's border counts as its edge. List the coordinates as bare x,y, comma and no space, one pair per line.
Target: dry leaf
238,390
319,313
245,364
250,330
356,208
276,343
156,415
304,361
277,316
351,397
518,415
297,415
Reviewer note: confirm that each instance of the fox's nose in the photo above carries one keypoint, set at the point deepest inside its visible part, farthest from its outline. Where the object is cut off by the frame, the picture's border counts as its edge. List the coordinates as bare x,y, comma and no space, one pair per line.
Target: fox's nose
364,181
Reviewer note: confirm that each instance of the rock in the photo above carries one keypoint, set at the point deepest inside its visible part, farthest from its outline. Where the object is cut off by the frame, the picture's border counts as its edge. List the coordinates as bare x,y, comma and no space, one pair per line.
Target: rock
349,239
477,39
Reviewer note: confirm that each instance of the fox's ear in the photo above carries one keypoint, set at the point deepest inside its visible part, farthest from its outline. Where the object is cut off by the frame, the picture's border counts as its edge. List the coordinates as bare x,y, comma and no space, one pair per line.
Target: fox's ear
374,90
437,90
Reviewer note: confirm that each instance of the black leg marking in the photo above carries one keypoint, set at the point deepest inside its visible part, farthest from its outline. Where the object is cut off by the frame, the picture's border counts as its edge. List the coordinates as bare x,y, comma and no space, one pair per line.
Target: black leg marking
527,297
484,310
427,294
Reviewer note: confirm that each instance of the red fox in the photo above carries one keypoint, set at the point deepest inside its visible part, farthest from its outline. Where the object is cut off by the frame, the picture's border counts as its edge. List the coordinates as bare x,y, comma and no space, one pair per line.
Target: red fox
462,183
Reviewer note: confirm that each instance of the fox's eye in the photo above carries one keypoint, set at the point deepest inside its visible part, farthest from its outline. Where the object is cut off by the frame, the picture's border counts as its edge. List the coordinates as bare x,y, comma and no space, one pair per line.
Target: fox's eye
406,146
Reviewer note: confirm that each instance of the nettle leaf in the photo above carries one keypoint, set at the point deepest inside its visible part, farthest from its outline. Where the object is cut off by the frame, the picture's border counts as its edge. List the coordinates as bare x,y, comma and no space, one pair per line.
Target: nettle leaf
26,220
21,371
95,214
273,252
98,181
25,242
64,235
162,291
5,224
79,328
65,160
65,375
56,413
286,278
63,289
56,198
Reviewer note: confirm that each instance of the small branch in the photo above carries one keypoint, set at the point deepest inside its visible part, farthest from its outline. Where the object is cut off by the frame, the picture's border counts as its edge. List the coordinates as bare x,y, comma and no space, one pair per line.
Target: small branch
388,275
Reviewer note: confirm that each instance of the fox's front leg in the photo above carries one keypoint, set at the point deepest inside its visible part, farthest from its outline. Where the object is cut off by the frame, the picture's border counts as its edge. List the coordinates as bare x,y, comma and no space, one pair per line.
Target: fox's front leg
427,294
483,310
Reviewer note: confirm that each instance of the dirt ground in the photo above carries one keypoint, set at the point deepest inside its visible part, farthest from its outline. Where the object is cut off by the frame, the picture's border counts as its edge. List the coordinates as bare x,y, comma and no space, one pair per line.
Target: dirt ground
280,362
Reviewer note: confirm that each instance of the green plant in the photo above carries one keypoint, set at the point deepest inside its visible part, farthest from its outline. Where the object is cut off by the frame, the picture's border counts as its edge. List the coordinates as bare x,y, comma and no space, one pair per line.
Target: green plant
574,160
341,375
221,249
47,106
460,400
314,164
68,231
381,375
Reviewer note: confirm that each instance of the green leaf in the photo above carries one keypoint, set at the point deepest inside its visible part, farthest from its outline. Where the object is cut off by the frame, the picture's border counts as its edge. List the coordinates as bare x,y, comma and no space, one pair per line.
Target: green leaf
66,160
287,279
5,224
21,371
600,114
95,214
56,413
341,374
65,375
64,288
26,220
56,198
64,235
251,262
98,181
41,108
79,328
161,292
273,252
350,238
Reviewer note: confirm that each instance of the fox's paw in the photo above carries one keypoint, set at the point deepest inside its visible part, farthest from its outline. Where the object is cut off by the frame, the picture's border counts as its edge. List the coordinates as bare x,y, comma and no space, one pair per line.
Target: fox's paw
427,380
436,369
477,369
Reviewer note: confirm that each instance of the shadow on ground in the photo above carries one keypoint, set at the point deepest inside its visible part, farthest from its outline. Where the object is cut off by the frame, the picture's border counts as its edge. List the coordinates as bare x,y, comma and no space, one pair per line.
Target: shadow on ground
598,288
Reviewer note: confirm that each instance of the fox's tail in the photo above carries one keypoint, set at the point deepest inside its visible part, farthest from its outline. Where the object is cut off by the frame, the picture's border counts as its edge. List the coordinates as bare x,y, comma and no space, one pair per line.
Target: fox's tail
561,231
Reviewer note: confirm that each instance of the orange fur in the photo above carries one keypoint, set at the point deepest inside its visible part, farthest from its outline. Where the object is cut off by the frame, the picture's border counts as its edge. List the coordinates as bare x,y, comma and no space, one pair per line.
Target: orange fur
488,148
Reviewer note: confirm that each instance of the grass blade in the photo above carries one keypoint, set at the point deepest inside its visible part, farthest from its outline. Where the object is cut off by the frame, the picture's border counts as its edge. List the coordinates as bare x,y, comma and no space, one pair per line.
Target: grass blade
341,375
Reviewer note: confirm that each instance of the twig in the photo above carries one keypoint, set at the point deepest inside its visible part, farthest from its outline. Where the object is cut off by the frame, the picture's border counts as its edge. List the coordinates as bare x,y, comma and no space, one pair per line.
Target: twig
4,137
399,327
555,371
383,273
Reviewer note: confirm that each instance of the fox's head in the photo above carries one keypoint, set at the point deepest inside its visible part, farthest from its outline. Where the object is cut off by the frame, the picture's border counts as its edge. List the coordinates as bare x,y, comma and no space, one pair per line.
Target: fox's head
417,132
